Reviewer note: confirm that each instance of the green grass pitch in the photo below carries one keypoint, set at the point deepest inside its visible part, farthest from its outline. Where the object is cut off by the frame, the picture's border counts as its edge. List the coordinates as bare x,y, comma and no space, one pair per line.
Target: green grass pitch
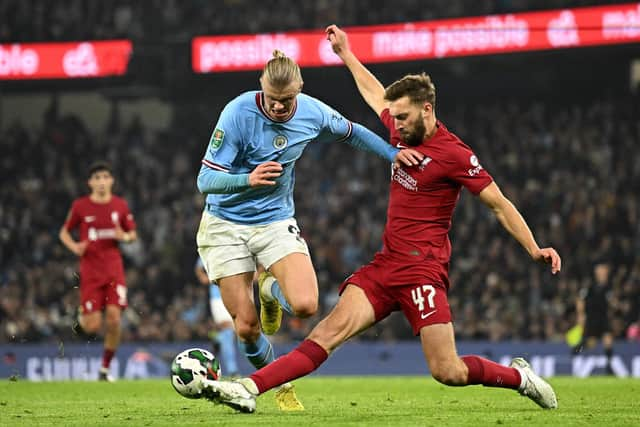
329,401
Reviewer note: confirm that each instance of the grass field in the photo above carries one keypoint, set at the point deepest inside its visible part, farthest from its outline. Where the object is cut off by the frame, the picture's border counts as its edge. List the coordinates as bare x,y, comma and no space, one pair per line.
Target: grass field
329,401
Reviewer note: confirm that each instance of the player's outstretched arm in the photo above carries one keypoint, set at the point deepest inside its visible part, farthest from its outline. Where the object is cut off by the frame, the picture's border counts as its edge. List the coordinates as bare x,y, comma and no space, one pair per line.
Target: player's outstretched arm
369,86
513,222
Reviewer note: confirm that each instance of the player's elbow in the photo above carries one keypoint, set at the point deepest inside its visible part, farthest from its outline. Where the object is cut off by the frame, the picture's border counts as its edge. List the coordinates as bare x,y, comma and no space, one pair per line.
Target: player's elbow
201,183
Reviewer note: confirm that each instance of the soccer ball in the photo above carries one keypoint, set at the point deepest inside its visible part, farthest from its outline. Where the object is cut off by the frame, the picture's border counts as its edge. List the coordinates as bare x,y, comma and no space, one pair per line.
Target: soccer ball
190,367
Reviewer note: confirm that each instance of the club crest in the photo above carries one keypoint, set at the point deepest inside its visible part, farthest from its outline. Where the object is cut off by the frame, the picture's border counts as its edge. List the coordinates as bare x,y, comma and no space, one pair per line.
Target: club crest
279,142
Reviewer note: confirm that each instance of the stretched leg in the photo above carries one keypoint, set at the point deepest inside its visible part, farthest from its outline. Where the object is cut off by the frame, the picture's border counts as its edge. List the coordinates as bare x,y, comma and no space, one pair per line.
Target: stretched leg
351,315
113,316
438,345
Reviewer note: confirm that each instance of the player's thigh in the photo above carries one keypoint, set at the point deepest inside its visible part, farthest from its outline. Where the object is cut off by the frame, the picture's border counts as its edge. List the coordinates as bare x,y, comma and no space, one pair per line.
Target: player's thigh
297,278
92,322
352,314
439,347
113,315
237,294
276,241
222,247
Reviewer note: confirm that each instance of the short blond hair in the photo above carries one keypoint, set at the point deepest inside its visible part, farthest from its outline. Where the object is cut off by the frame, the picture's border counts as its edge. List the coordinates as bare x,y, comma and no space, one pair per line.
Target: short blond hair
281,70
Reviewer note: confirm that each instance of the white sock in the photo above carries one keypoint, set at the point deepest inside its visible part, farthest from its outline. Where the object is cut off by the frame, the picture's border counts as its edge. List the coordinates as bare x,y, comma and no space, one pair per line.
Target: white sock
268,283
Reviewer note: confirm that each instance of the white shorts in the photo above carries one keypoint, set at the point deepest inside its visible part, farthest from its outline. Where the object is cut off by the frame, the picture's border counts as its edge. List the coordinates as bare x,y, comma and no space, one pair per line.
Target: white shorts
219,311
227,248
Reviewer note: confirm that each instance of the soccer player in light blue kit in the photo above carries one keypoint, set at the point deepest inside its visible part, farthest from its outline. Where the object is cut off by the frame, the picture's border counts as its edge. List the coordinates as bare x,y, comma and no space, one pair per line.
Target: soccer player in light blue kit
248,176
225,335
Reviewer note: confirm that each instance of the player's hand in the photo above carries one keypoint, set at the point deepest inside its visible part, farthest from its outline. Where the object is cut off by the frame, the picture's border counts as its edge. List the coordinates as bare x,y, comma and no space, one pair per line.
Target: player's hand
121,235
80,247
265,174
549,256
338,39
408,157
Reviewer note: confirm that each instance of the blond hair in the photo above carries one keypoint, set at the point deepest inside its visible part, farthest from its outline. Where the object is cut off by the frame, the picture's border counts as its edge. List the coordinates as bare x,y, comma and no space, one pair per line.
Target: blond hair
281,70
418,87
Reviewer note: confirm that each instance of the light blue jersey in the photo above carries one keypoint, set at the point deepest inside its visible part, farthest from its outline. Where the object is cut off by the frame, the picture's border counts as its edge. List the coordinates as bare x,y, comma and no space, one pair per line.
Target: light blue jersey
245,137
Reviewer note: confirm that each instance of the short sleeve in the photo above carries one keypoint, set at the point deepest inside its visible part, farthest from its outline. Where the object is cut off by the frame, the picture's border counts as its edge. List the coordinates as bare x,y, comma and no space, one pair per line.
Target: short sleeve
467,171
73,217
334,127
225,142
127,222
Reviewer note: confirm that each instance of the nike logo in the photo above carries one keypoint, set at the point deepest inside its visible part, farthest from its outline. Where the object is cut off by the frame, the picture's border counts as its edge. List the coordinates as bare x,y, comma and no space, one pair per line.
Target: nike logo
425,315
89,218
401,146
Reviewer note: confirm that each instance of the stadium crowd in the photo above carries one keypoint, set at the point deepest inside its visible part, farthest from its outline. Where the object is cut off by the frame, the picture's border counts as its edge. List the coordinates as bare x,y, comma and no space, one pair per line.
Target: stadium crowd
573,170
173,20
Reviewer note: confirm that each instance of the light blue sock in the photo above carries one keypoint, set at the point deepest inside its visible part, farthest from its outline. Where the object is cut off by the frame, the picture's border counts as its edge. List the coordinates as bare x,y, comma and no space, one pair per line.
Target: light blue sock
226,338
277,294
259,353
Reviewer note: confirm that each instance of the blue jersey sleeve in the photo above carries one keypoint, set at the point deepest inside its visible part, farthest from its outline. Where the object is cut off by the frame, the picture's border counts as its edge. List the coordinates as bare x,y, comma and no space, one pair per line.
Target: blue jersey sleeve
224,147
336,128
226,140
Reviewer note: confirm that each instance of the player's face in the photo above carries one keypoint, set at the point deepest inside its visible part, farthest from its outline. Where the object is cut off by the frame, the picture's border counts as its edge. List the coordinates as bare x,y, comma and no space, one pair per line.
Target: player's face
279,102
408,119
100,183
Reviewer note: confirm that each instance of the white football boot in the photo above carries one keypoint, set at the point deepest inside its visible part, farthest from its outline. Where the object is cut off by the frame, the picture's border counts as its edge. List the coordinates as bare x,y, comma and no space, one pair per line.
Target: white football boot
230,393
533,386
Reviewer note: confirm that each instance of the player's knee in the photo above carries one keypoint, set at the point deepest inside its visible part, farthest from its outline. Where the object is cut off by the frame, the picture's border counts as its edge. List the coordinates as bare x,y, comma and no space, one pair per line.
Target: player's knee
247,330
92,325
305,307
448,374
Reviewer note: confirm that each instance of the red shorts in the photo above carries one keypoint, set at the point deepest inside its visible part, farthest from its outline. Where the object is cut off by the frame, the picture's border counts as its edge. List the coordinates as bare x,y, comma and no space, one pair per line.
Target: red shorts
96,293
422,304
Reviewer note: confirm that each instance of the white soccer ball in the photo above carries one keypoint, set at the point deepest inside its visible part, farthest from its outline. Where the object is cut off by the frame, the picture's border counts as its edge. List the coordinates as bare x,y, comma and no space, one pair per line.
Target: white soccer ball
190,367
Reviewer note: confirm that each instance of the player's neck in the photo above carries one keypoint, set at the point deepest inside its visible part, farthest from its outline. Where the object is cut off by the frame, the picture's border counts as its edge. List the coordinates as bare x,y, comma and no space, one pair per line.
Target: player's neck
431,129
100,198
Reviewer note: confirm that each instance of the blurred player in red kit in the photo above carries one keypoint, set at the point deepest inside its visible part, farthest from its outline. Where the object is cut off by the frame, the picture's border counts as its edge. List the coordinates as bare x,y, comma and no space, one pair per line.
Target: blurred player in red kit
410,272
104,220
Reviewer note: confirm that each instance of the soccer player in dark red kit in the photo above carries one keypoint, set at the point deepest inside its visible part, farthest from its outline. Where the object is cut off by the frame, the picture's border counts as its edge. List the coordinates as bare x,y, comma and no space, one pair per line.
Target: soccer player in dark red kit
104,220
410,273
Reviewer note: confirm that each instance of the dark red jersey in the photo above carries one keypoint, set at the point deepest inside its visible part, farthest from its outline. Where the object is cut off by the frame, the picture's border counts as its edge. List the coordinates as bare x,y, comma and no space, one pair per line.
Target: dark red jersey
421,203
97,225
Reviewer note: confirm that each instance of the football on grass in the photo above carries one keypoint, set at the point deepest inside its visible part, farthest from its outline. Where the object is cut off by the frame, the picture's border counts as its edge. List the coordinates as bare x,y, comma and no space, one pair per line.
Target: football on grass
190,367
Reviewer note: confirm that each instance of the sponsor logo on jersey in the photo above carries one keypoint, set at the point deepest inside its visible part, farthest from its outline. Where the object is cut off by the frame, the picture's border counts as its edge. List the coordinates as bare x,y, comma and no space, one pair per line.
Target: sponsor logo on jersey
216,138
279,142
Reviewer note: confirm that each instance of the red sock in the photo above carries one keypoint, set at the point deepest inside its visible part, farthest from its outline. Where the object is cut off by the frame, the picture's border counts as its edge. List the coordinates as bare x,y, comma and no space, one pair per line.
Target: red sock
107,355
491,374
299,362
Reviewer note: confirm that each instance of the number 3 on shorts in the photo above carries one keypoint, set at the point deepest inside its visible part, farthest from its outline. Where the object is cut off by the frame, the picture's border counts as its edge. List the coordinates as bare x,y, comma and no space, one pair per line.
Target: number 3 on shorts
418,298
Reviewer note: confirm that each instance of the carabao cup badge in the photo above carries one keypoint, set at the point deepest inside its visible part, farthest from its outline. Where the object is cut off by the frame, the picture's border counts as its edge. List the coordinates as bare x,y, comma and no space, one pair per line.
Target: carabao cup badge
279,142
